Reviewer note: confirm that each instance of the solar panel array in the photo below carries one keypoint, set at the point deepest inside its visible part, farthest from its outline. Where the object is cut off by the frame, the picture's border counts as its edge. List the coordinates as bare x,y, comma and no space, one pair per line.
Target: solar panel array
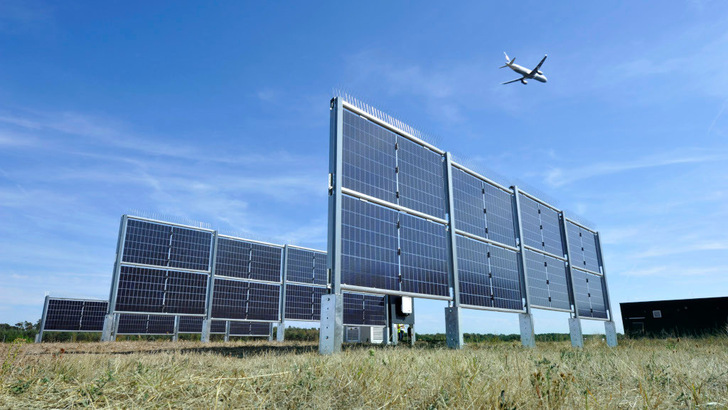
163,273
396,225
165,268
87,315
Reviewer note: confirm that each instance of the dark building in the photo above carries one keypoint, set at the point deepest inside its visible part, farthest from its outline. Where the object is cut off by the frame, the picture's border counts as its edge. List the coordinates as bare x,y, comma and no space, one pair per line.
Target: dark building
683,317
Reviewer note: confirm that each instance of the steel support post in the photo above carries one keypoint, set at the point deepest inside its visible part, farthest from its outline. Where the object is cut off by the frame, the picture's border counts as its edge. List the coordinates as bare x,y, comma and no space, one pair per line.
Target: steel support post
610,328
413,337
227,331
175,336
39,336
207,321
395,335
270,332
109,330
115,328
525,320
332,311
281,329
577,337
331,331
453,329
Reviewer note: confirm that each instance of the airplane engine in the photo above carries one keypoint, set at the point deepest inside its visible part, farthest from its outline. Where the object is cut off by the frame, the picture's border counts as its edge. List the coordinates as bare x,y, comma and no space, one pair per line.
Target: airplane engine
524,81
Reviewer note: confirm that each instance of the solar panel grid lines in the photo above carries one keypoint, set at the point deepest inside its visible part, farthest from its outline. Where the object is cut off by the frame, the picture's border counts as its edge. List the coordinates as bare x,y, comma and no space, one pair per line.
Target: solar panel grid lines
137,324
237,299
303,302
148,290
160,244
239,258
384,120
73,315
541,226
306,266
421,178
589,295
249,328
369,244
483,209
423,256
362,309
489,276
547,281
583,248
369,158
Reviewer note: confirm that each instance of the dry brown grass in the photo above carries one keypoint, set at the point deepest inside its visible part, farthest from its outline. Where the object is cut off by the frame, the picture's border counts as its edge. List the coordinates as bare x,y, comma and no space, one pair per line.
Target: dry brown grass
644,374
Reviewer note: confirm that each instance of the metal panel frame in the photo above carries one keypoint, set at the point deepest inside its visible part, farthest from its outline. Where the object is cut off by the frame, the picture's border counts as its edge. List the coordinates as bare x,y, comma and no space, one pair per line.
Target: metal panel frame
280,333
39,336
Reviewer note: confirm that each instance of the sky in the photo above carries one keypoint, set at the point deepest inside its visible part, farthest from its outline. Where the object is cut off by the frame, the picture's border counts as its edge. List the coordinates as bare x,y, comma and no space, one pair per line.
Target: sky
219,113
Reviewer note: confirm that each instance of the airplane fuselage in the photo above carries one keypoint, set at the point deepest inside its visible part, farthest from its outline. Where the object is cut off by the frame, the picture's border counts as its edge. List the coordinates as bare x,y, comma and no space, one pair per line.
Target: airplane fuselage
526,73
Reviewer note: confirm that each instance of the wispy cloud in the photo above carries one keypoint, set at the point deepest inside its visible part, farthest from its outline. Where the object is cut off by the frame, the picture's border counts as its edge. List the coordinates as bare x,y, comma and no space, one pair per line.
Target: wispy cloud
558,177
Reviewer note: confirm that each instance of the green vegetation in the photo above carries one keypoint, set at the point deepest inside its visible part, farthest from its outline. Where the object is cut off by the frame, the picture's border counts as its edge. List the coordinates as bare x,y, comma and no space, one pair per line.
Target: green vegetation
22,330
645,373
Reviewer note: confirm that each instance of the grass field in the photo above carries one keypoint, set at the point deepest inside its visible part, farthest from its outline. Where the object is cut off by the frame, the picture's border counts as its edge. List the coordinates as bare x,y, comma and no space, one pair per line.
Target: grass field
637,374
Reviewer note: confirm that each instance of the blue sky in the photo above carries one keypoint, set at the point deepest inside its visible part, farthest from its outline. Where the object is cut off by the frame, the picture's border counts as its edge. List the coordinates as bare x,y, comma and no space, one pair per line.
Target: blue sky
219,113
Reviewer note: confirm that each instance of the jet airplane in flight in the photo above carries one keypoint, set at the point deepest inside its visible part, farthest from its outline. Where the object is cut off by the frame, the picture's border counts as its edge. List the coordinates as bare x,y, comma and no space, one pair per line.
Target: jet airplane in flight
527,74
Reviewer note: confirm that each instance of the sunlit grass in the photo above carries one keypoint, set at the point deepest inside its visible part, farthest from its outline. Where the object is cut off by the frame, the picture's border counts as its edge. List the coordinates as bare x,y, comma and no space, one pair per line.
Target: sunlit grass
643,373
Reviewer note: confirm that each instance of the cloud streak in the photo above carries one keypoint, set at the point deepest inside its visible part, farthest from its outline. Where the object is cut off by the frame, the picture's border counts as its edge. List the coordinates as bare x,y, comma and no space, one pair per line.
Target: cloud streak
558,177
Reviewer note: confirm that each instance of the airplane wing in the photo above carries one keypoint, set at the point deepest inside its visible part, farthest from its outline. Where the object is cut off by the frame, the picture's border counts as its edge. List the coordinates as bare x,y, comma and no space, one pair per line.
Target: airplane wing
535,70
513,81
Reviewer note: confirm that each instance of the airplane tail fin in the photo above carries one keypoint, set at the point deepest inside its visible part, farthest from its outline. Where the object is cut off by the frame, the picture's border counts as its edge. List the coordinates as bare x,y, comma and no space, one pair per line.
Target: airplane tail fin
508,61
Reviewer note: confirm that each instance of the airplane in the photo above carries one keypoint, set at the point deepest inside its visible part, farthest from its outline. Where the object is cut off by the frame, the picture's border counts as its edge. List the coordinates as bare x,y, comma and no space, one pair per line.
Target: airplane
525,72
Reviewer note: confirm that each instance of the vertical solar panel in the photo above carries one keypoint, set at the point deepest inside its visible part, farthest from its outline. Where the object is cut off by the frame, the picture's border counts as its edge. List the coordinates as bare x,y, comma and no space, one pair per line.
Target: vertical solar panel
234,299
303,302
583,248
483,209
131,324
541,227
420,178
468,195
75,315
424,255
547,283
369,245
232,258
160,291
248,260
499,220
92,318
306,266
589,294
190,324
190,249
364,309
369,162
249,328
157,244
265,262
146,243
218,327
488,275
